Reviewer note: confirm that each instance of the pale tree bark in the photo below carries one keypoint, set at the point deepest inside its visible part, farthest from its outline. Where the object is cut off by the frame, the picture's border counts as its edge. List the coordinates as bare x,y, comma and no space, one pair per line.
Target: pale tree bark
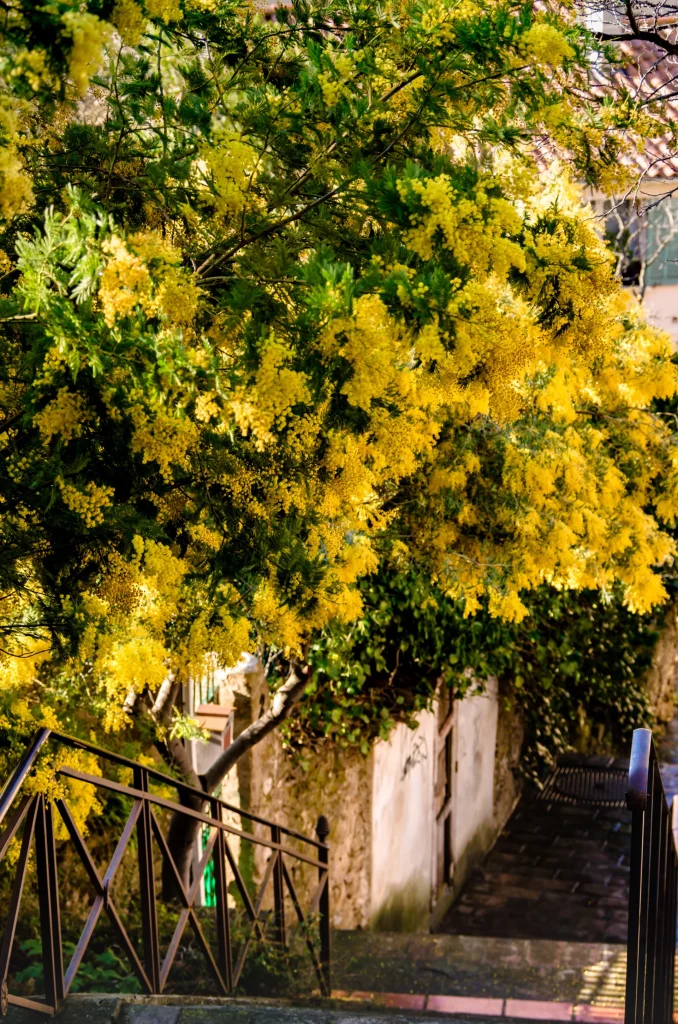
183,830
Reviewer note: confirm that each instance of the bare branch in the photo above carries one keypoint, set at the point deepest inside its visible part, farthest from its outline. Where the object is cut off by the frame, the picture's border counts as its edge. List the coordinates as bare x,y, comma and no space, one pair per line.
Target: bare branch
281,707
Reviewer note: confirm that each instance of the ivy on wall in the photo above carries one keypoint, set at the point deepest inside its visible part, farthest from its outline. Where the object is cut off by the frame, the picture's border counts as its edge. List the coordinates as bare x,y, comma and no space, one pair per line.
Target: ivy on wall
575,665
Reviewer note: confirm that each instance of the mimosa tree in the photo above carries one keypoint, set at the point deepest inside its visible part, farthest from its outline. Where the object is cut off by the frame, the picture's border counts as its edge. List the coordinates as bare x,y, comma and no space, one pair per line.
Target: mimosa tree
287,299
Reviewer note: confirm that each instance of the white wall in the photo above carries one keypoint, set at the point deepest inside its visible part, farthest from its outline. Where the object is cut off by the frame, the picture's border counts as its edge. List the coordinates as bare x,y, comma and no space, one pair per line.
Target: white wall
661,305
473,826
402,827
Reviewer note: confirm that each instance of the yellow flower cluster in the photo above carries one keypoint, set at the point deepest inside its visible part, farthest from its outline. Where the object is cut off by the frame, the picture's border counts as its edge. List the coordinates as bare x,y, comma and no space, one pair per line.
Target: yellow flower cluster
267,402
89,35
165,10
230,163
164,438
88,502
32,65
548,44
474,229
125,281
64,416
333,83
166,290
16,190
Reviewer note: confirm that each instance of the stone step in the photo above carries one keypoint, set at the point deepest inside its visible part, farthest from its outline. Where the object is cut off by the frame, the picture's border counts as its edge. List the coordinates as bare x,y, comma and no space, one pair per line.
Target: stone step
110,1010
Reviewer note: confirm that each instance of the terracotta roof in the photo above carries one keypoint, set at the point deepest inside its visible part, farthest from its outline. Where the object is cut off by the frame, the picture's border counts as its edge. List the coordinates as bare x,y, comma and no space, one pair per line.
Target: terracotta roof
647,73
214,717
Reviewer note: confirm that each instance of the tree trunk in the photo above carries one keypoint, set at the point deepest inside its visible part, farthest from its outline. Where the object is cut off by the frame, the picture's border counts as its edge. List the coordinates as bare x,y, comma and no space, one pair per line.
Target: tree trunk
182,837
184,831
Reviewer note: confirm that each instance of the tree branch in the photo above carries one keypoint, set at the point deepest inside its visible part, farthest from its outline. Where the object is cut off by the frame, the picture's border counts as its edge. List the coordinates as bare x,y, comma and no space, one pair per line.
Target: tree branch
281,707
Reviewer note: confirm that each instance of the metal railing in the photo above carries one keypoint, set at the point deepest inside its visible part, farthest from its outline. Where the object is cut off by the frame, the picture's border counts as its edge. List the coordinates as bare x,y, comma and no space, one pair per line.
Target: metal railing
33,818
653,890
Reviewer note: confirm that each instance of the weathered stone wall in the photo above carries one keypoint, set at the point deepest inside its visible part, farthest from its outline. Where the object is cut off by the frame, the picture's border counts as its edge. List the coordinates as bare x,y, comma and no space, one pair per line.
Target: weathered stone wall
660,681
335,783
510,736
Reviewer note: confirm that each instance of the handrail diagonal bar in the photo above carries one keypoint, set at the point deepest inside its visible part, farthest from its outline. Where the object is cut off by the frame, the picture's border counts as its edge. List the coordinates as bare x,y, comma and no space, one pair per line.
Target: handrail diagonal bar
80,846
102,893
171,805
121,847
30,1004
209,956
304,928
128,946
317,896
187,897
83,941
177,784
173,946
187,912
14,825
258,903
200,870
242,889
17,890
16,779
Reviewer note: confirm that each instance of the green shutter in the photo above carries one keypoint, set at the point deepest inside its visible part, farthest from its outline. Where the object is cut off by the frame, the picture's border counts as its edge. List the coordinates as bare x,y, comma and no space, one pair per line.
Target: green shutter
664,270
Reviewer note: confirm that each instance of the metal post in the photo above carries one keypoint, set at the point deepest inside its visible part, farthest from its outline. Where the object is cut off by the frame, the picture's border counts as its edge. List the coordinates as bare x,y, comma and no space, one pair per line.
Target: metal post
149,917
278,890
48,898
322,831
653,895
221,892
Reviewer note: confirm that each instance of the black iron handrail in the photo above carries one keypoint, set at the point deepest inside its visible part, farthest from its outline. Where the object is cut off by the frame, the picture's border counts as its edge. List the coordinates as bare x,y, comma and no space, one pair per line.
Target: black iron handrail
36,813
653,890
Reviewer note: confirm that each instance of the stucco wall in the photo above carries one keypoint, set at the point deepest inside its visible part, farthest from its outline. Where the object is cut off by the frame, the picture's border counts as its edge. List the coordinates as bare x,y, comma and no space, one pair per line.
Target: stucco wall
473,822
661,305
402,827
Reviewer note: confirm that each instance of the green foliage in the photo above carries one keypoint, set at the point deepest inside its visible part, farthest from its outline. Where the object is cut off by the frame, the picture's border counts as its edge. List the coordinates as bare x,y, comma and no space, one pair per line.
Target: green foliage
105,970
575,666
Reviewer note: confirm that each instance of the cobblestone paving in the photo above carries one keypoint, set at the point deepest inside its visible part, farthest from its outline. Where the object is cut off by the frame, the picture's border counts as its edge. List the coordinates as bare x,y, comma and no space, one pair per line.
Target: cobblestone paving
571,972
556,872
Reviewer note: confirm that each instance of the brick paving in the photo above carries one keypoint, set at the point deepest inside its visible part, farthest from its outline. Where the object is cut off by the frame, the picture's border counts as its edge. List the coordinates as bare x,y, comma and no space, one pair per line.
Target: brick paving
557,871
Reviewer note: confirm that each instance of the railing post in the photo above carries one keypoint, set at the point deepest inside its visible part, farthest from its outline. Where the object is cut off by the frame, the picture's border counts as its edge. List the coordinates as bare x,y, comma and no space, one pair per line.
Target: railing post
322,831
637,800
653,981
149,917
653,890
48,898
278,890
221,893
672,906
